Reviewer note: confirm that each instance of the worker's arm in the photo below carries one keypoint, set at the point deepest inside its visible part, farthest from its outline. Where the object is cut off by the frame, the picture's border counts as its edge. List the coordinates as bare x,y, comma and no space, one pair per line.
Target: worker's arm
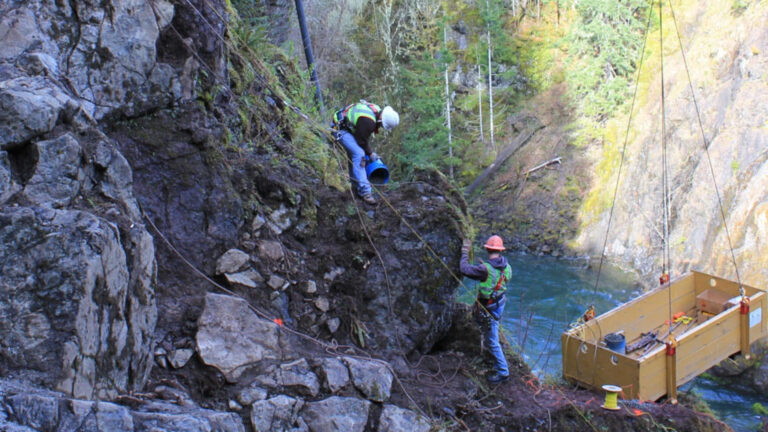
477,272
364,128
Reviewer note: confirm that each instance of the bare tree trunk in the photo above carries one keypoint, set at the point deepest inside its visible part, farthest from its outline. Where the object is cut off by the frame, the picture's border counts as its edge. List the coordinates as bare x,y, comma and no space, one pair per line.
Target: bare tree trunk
448,104
490,92
480,103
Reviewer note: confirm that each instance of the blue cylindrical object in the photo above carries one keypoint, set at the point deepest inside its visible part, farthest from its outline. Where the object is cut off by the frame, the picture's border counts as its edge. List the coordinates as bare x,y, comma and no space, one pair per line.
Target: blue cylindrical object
616,342
377,172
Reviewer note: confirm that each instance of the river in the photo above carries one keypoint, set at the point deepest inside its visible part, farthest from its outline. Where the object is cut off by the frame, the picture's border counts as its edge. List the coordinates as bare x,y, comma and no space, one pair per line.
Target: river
547,294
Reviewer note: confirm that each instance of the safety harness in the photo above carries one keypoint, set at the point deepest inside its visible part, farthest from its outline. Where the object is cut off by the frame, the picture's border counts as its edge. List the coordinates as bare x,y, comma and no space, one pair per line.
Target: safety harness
347,117
497,292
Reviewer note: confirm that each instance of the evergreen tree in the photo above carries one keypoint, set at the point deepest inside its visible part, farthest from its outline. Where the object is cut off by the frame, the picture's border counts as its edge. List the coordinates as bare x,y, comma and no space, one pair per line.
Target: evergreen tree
425,140
605,42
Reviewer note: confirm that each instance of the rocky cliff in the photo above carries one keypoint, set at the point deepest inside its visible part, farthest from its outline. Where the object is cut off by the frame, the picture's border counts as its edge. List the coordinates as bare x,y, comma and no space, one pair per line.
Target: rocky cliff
725,53
565,207
124,203
172,261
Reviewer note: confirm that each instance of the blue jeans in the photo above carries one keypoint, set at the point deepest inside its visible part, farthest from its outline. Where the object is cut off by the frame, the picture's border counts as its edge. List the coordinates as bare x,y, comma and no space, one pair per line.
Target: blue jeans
357,174
492,337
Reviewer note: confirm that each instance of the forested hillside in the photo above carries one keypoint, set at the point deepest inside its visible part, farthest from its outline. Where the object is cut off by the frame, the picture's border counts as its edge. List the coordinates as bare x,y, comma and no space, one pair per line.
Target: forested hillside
571,83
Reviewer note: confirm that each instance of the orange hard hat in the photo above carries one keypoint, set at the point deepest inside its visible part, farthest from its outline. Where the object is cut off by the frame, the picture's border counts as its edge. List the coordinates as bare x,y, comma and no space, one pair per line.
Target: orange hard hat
494,243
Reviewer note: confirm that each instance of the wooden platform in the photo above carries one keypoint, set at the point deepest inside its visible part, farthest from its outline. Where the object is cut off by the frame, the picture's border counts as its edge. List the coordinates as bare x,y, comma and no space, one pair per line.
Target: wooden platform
649,374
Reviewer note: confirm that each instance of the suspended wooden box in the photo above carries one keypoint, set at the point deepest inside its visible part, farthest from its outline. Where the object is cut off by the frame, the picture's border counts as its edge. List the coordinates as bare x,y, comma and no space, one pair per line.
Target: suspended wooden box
650,374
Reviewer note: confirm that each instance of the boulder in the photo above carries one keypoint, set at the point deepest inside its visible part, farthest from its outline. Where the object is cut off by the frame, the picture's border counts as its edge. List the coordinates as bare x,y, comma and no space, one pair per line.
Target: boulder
249,278
759,377
79,307
309,287
231,337
322,304
179,358
279,413
199,420
276,282
335,374
232,261
257,223
251,394
28,108
270,250
372,378
295,375
337,414
281,219
333,324
395,419
44,410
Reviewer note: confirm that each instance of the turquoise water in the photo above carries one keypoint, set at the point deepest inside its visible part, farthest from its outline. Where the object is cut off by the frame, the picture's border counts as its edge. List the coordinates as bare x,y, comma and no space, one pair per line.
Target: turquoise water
547,294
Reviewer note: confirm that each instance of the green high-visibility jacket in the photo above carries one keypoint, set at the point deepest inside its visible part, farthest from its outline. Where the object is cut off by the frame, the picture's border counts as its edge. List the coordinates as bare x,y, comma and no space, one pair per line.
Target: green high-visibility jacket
352,113
486,287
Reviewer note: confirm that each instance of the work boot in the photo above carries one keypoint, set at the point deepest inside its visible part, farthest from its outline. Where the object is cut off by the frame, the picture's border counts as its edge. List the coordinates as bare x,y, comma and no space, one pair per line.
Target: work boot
368,199
497,378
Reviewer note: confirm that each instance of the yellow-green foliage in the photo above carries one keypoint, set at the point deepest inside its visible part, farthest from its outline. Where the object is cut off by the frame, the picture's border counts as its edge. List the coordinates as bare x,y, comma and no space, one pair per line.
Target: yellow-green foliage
759,409
600,196
259,70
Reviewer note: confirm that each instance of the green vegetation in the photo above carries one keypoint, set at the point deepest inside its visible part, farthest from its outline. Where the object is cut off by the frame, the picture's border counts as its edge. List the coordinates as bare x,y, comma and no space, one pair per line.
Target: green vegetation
605,42
266,82
759,409
393,52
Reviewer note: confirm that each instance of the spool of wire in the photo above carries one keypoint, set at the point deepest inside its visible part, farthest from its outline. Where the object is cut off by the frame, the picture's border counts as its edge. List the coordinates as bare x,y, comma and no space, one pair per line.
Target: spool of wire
611,397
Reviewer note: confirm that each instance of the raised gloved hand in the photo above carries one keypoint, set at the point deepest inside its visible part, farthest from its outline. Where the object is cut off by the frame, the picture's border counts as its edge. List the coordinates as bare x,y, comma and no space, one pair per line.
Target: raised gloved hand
466,245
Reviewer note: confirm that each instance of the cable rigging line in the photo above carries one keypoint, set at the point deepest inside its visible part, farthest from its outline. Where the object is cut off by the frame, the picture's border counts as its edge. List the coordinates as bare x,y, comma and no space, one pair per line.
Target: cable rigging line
706,150
624,147
665,260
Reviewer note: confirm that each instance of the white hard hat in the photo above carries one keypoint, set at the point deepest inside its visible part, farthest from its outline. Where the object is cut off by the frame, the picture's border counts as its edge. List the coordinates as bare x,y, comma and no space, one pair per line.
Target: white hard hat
389,118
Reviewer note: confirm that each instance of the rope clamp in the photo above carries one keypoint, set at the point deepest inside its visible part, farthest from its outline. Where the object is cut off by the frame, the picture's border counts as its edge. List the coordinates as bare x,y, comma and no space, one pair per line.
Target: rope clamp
590,313
744,305
671,346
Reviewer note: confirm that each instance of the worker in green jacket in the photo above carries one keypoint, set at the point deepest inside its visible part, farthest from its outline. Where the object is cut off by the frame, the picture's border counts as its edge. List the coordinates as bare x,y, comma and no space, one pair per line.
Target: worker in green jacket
353,127
493,277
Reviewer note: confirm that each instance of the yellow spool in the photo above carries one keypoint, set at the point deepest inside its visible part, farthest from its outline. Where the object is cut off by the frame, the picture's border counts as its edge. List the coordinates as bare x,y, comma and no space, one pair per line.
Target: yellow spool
611,397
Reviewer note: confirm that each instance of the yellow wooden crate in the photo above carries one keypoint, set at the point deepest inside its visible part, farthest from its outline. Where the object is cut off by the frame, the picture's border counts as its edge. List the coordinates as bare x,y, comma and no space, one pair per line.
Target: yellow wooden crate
643,374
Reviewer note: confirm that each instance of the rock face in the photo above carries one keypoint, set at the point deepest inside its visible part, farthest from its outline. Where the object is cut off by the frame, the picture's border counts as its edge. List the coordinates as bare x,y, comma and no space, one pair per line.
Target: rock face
97,136
28,409
70,306
106,55
78,270
733,117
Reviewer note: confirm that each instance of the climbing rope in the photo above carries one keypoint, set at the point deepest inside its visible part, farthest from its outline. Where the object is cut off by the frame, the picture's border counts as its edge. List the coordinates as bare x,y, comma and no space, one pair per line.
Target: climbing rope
322,130
334,348
328,347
